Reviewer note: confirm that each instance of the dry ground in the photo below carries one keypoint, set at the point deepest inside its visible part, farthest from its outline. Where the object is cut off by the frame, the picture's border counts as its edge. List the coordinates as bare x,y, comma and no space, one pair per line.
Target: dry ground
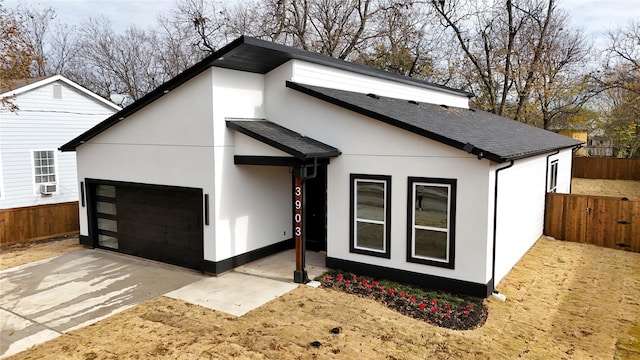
565,301
19,254
627,188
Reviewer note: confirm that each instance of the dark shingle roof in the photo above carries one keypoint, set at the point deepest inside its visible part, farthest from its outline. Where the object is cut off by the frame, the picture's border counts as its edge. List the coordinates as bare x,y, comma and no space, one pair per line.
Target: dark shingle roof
479,132
251,55
281,138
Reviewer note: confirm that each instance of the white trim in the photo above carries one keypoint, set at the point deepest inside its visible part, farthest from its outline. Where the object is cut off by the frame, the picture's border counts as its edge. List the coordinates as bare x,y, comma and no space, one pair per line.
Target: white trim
446,230
382,222
36,186
55,78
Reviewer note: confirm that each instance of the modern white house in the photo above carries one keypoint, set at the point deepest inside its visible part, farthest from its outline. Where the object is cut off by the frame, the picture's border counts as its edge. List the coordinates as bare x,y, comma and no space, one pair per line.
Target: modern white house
36,180
261,147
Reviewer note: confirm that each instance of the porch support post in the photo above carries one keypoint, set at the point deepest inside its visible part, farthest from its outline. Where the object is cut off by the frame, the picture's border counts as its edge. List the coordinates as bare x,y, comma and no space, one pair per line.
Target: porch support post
300,274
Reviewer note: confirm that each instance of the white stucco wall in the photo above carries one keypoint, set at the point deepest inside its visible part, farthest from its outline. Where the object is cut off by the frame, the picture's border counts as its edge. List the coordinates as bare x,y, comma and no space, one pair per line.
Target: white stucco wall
43,123
521,206
168,143
252,203
372,147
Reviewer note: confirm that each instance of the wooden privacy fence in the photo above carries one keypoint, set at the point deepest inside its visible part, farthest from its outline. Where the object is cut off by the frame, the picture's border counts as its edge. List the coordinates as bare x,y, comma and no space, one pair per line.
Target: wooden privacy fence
21,225
606,168
601,220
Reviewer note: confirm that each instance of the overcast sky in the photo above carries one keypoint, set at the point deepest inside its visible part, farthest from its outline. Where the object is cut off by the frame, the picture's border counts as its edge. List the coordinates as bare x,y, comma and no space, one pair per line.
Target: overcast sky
594,16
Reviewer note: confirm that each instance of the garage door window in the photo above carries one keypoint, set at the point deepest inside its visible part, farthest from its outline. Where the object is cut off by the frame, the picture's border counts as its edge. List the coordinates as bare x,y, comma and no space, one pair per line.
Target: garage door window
106,214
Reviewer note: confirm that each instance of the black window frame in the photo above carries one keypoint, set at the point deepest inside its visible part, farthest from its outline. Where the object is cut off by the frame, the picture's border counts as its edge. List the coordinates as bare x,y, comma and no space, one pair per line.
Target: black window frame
448,263
352,215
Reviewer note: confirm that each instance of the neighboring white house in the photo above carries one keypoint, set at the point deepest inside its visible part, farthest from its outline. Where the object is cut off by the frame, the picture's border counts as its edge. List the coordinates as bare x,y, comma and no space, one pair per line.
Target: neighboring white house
49,112
260,144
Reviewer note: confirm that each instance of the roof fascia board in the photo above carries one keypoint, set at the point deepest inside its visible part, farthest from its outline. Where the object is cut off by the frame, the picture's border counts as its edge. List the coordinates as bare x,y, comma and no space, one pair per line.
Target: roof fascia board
372,114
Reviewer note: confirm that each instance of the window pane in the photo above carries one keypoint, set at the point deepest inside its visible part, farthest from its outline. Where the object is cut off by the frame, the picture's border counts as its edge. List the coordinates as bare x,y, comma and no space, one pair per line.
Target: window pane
106,224
370,236
106,208
370,197
106,191
108,241
432,244
431,206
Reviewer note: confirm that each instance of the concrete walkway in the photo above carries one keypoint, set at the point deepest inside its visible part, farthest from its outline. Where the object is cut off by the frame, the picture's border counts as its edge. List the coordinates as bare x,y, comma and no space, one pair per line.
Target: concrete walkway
42,300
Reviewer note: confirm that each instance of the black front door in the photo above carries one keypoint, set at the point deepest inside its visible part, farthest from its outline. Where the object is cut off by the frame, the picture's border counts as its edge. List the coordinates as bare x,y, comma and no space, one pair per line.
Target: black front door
315,210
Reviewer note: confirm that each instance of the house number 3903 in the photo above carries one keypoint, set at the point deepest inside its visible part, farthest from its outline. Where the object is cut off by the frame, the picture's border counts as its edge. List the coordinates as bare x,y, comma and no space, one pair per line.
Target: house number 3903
298,211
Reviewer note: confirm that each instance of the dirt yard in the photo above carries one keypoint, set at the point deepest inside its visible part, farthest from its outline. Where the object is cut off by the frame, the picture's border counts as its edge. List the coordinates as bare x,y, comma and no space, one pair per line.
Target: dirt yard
19,254
623,188
564,301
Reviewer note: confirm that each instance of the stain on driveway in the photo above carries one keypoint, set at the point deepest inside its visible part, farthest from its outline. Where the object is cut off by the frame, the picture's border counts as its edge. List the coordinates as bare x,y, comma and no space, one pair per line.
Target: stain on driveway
40,301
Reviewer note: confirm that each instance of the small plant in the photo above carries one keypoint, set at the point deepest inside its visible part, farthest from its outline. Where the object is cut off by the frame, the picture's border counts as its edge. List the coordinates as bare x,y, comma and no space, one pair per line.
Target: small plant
439,308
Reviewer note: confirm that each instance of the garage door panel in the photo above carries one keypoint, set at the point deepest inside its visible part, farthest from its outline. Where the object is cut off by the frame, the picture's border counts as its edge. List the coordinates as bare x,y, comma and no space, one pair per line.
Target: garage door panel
159,223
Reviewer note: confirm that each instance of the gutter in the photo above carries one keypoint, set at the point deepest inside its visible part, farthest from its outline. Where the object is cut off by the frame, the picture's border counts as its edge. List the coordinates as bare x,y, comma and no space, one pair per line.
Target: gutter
495,235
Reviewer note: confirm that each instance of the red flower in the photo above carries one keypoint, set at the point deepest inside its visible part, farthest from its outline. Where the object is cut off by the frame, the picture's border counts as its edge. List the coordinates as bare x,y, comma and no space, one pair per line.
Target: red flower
470,306
434,309
422,306
327,278
340,275
465,312
391,291
412,299
434,301
347,282
339,280
375,283
448,314
401,294
360,283
354,278
381,288
368,287
365,281
447,307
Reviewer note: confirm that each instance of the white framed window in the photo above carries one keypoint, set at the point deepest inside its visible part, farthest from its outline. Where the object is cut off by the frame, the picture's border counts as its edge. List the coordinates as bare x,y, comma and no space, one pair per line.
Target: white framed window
370,212
431,221
44,169
553,176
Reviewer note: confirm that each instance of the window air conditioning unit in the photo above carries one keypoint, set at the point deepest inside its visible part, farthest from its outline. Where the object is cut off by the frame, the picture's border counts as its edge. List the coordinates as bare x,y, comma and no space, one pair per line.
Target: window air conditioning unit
47,189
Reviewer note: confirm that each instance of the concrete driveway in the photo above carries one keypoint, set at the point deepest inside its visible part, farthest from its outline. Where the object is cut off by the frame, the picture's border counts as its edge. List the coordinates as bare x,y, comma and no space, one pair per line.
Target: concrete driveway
42,300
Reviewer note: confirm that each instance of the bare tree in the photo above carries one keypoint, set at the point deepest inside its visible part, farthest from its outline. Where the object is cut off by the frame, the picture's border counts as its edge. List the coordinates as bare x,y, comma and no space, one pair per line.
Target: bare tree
521,55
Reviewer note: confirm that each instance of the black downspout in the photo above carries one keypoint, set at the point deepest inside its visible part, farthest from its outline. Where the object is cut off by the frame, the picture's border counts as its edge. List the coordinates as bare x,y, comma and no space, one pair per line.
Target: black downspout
495,227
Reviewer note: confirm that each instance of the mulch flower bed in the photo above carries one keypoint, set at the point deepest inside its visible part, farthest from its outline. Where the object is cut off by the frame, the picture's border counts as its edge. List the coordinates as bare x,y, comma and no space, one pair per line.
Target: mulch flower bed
457,312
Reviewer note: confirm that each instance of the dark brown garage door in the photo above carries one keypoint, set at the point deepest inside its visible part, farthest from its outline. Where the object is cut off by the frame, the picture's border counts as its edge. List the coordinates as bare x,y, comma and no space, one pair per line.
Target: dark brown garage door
154,222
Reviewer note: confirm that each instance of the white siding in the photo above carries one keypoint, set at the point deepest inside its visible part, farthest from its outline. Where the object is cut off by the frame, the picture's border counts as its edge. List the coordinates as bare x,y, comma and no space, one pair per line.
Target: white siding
44,123
318,75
